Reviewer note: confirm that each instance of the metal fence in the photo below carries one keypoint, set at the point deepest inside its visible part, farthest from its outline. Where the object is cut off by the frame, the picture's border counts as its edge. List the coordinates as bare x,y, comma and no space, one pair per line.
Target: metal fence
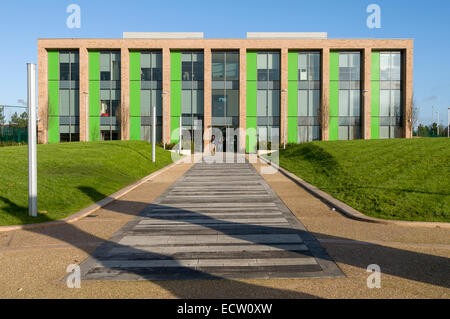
13,124
10,134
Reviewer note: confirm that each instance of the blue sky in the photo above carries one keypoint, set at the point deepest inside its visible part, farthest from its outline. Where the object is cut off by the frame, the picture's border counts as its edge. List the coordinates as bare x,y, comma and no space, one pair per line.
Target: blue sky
427,22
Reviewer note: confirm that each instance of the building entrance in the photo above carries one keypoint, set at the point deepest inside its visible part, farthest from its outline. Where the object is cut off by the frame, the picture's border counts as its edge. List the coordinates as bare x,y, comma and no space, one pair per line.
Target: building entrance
226,137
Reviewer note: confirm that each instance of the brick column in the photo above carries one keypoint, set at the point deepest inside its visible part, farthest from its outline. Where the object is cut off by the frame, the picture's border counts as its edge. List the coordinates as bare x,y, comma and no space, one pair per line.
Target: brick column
125,92
325,101
166,97
283,95
366,97
407,92
84,86
42,69
242,98
207,112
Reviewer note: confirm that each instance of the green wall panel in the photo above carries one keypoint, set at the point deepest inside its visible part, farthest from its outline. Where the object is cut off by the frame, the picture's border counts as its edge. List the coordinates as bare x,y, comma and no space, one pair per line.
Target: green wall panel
293,66
292,98
135,66
135,98
334,129
53,65
94,110
375,97
292,129
53,97
375,71
174,124
135,110
251,98
175,98
334,98
251,66
175,66
175,92
135,95
375,128
94,95
94,66
292,111
251,138
53,129
135,128
334,66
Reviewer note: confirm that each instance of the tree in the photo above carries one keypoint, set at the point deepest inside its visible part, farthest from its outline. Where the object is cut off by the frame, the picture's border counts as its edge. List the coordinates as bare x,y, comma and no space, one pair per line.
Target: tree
19,121
2,115
414,112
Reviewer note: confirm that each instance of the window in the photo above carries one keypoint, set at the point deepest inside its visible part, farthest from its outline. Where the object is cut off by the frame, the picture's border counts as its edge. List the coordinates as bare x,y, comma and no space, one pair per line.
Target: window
349,95
192,92
225,88
308,96
69,105
390,112
151,94
110,95
268,96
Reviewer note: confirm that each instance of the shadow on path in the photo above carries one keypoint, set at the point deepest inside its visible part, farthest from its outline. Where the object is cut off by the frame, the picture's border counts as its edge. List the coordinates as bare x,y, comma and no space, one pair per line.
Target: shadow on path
405,264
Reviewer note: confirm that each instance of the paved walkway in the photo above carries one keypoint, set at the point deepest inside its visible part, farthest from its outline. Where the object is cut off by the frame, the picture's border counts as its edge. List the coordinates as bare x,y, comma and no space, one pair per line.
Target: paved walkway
414,260
216,221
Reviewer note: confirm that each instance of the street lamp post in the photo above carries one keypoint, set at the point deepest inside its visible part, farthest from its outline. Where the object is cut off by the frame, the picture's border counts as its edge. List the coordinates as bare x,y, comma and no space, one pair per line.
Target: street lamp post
32,157
163,93
448,122
86,113
154,134
180,132
285,117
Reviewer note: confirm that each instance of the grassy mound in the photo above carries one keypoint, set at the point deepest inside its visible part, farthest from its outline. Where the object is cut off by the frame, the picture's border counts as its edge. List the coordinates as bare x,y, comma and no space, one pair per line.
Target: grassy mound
401,179
71,176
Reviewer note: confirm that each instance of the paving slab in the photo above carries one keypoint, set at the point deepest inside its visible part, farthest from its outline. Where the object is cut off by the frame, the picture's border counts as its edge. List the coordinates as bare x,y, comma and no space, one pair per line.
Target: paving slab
216,221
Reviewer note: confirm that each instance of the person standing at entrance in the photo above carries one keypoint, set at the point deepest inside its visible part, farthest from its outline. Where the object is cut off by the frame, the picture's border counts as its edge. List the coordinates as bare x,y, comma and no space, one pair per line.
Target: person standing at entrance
213,145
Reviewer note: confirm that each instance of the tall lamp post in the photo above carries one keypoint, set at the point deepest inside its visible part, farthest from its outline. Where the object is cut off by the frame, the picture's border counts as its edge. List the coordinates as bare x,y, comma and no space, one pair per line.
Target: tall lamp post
448,122
32,157
285,117
163,93
86,113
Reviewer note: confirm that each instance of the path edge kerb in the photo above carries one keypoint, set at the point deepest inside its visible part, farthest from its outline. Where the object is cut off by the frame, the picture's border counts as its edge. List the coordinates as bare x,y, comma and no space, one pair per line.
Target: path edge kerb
92,208
345,209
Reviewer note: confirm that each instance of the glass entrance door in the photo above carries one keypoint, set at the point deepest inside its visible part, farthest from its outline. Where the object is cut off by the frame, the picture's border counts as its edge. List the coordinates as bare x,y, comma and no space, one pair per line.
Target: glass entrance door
227,141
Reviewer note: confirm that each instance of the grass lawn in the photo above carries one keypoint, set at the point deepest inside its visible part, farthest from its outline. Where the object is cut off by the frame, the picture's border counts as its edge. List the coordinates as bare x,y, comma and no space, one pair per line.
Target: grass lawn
402,179
71,176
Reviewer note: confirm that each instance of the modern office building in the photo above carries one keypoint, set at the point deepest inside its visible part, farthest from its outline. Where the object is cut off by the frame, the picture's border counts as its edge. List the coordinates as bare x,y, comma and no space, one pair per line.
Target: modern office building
295,87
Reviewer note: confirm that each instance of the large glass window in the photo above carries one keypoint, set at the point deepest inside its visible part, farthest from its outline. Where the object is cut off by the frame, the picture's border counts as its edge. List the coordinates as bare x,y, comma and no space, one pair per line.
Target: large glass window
69,104
390,95
192,92
151,94
110,95
308,96
225,88
349,95
268,96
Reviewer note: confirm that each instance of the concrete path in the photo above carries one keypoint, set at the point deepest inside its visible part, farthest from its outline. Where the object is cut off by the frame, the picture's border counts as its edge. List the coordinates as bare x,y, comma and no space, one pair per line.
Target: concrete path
216,221
414,260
